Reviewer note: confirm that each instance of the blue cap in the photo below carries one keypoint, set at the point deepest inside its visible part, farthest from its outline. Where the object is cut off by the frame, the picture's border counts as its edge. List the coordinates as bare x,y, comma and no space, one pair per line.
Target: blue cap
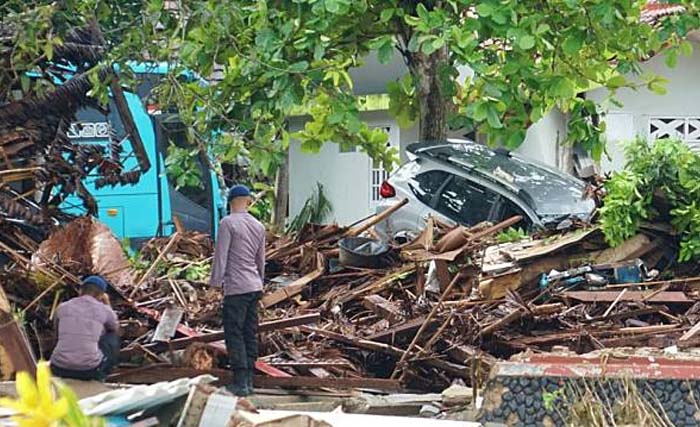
98,281
238,191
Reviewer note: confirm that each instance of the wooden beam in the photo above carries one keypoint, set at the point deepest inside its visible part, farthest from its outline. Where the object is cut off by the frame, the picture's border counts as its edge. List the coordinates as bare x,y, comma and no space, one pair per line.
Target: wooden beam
638,296
330,382
16,346
168,247
154,374
382,307
181,343
295,287
376,219
401,330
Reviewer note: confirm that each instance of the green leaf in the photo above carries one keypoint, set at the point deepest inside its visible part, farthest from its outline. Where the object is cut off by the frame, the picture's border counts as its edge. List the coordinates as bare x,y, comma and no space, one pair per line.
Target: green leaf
386,15
542,28
616,82
25,82
572,45
492,117
658,87
422,12
299,67
687,48
484,9
386,52
526,42
332,6
672,58
564,88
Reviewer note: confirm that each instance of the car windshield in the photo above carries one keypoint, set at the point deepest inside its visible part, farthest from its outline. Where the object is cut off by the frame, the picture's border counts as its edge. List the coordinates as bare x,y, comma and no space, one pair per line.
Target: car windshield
552,192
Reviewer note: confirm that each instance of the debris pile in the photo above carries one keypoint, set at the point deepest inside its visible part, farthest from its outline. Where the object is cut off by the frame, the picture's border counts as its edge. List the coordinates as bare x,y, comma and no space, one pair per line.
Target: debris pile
446,306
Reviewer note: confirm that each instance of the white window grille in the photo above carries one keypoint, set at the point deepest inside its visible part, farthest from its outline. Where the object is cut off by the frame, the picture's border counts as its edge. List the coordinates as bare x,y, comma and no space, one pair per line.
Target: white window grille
687,129
377,172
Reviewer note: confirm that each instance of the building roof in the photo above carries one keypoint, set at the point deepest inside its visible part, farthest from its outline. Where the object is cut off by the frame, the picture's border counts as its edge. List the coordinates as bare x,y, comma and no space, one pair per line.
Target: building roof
654,10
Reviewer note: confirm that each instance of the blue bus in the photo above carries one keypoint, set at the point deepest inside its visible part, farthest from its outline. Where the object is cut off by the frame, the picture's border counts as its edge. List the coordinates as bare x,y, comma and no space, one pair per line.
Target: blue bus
146,209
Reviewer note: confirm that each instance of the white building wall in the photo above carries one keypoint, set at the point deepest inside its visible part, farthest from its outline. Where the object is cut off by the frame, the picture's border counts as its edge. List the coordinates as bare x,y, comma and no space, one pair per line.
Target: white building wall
544,141
345,176
624,123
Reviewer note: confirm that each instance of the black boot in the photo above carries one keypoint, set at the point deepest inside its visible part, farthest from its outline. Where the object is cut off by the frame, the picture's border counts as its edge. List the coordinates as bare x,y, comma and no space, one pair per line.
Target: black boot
239,385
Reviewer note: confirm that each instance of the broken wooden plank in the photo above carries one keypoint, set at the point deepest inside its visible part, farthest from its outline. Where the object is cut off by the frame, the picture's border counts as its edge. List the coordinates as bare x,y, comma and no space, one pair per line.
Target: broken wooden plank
5,306
17,354
502,322
690,334
181,343
379,284
497,286
631,248
376,219
611,296
550,246
161,373
399,365
422,255
401,330
295,287
330,382
382,307
614,303
311,364
171,243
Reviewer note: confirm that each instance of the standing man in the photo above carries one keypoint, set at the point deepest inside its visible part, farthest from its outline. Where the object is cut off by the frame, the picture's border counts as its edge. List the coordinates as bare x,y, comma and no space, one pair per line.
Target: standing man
88,340
239,267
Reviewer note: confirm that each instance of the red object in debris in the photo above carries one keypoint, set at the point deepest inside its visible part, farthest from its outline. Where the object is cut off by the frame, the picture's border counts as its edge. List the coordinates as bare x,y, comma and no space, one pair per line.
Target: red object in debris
387,190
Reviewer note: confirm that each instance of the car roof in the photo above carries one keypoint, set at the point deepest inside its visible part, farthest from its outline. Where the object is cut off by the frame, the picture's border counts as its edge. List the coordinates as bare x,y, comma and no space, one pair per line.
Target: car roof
546,190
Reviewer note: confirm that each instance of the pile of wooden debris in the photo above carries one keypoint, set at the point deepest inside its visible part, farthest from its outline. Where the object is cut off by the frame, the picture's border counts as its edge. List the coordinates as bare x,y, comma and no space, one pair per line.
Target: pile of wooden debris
447,305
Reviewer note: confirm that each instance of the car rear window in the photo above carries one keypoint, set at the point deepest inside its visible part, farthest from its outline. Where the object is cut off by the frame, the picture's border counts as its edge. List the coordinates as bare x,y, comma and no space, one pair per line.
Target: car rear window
426,185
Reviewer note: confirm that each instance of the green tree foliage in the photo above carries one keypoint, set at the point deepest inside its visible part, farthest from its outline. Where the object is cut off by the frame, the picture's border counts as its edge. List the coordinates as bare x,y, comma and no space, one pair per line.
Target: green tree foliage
660,180
275,56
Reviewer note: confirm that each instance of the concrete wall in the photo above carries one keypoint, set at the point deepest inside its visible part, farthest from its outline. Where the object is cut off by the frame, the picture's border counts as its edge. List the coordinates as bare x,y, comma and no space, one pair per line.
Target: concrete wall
623,124
544,141
345,176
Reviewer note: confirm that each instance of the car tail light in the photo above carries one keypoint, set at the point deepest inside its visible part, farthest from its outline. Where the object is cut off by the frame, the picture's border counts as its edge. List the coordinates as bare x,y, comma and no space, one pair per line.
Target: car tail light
387,190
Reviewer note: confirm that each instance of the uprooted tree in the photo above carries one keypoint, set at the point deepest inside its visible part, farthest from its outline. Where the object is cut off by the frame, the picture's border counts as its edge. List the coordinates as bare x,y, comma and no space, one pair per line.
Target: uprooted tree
280,58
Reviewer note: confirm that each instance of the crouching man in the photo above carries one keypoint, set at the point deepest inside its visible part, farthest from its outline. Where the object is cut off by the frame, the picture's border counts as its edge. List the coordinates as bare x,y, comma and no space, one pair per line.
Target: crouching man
88,340
239,267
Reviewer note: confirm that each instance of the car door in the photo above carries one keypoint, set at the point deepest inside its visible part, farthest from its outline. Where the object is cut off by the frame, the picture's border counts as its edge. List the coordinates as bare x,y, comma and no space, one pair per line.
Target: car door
465,202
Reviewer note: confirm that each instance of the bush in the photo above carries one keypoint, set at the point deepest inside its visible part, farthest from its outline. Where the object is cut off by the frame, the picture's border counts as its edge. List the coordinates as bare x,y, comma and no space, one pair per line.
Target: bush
660,181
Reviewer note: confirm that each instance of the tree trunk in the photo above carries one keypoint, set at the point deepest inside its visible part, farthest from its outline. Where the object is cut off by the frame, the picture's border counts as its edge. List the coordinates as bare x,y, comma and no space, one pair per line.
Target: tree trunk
432,104
279,211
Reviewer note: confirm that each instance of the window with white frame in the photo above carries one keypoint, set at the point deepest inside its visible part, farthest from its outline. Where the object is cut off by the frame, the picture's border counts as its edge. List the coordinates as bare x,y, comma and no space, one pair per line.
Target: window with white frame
377,172
687,129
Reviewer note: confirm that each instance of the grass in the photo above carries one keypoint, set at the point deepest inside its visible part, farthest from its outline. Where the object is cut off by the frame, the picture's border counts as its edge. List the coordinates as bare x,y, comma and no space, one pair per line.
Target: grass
587,405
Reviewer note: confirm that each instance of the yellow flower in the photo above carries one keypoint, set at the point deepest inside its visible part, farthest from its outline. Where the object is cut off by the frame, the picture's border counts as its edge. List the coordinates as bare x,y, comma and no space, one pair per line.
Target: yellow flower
36,405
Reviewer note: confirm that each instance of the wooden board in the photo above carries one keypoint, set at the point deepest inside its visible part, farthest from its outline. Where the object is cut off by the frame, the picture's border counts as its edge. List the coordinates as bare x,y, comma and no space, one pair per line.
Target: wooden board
610,296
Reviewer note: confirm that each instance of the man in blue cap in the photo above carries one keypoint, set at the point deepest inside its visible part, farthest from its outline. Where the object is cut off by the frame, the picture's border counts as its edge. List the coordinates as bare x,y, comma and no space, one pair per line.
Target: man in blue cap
88,340
239,268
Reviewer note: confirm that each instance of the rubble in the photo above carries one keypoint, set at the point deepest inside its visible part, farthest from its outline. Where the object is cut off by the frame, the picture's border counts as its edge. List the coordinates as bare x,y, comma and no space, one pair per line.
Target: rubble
447,306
